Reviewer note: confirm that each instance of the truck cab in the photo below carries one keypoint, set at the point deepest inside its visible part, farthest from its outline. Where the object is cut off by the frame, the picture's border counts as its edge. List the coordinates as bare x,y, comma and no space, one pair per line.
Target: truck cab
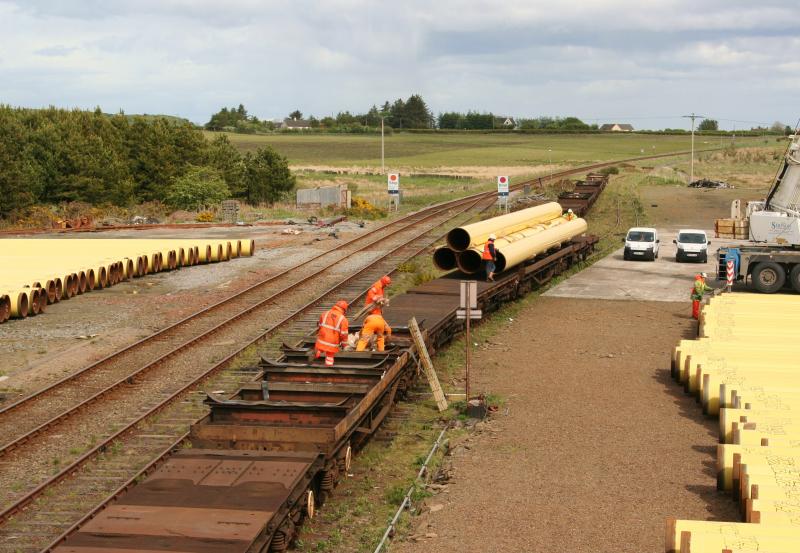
692,245
641,243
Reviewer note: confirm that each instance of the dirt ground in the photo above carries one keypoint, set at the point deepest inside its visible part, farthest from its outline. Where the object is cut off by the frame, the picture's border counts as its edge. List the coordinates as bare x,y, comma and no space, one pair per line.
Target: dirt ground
674,207
74,333
595,446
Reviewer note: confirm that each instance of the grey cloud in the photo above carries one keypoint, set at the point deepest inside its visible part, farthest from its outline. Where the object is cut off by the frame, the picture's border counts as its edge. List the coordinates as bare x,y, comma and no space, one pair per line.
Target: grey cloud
523,57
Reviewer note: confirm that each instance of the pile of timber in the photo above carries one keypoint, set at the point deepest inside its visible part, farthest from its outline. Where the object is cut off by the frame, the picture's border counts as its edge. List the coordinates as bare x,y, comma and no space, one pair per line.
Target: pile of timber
38,272
521,236
738,229
744,369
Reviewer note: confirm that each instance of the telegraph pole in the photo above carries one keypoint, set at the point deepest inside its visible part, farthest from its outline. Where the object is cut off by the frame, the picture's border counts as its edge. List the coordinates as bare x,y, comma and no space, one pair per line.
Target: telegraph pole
383,166
692,117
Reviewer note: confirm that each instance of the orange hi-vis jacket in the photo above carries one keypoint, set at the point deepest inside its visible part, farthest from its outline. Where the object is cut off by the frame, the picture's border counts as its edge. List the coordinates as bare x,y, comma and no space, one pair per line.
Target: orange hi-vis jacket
487,252
375,294
332,330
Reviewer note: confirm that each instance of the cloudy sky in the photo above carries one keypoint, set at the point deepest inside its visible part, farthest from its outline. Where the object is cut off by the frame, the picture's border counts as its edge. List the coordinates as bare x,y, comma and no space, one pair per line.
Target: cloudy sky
646,62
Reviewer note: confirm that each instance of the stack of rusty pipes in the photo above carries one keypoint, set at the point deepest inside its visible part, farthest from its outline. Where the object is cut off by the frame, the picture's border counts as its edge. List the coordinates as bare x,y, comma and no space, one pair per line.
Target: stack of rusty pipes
521,235
38,272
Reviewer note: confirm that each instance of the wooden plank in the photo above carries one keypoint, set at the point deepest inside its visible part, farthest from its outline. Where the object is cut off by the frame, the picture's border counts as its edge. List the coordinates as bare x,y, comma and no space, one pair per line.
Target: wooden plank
427,364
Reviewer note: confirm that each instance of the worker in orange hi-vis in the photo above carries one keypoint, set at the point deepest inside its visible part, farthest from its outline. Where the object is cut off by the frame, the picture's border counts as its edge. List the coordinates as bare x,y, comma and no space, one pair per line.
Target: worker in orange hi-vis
332,332
376,295
374,325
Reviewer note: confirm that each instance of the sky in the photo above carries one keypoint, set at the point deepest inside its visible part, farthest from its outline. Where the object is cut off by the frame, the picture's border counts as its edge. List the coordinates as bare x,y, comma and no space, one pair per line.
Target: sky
644,62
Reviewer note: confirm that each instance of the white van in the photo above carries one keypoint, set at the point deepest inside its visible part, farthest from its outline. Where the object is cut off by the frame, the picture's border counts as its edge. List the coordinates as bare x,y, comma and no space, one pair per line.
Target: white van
641,243
692,245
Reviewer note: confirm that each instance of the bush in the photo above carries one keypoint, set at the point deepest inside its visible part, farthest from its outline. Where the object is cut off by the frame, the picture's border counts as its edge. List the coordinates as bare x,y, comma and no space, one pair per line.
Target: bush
362,209
612,170
267,178
204,217
199,188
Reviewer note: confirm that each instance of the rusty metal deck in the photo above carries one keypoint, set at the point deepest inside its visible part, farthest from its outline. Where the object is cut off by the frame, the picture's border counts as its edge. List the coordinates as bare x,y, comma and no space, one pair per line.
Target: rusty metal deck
200,501
259,457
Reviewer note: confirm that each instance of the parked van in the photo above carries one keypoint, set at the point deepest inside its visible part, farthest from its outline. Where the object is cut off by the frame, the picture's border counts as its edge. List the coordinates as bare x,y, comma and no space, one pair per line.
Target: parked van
641,243
692,245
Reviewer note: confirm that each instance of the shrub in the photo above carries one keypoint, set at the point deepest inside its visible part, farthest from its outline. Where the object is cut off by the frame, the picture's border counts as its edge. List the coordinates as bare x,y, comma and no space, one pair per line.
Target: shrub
361,208
204,217
199,188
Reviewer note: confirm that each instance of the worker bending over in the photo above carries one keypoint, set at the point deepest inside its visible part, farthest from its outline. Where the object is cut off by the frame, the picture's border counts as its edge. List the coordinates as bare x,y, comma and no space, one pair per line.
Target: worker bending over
332,334
376,295
374,325
490,257
699,289
569,215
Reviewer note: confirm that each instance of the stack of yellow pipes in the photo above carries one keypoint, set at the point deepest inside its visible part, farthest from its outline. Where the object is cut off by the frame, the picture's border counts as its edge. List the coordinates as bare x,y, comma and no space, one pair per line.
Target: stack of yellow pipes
745,369
38,272
519,236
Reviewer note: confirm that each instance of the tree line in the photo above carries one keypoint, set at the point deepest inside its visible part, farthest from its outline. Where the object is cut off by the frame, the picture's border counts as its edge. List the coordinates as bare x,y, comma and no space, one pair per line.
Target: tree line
50,156
411,113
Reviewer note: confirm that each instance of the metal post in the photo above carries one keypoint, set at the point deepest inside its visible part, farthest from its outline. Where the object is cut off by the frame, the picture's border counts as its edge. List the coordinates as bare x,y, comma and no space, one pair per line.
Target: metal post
550,162
468,341
383,165
691,165
693,116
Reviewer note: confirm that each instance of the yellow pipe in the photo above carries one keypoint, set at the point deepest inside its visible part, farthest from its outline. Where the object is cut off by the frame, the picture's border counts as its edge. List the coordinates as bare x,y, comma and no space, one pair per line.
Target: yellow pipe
19,303
527,248
5,308
470,261
470,236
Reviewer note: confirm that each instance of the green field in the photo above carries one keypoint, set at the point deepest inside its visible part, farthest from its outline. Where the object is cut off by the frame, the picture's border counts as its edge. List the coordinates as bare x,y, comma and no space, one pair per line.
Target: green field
435,150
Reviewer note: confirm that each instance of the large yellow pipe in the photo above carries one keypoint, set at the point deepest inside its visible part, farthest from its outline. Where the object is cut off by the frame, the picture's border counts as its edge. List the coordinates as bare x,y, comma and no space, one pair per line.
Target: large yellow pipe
527,248
444,258
470,236
48,270
470,261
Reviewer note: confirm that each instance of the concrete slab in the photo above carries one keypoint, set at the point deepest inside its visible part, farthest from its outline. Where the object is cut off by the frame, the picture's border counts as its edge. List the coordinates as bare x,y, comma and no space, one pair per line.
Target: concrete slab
613,278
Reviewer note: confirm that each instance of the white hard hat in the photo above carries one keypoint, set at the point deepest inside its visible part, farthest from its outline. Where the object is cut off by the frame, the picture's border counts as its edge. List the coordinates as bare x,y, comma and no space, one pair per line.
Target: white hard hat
492,237
569,211
704,275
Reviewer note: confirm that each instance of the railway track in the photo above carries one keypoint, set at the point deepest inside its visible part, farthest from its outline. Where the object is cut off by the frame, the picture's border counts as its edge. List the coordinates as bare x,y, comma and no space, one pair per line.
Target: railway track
127,432
132,380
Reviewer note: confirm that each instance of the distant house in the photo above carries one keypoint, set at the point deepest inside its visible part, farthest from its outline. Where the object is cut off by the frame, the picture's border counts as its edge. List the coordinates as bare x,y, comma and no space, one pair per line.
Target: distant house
505,122
295,124
617,127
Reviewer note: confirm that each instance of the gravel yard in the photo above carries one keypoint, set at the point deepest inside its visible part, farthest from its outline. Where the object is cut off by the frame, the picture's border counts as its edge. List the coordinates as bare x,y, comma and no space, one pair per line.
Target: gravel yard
597,445
74,333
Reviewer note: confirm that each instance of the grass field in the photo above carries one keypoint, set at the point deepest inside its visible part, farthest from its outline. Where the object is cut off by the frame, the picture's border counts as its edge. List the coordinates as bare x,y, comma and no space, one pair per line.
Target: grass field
438,167
417,151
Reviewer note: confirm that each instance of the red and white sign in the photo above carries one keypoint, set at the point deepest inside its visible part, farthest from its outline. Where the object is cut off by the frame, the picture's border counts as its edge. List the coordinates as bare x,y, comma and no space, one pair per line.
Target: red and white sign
502,185
730,274
394,183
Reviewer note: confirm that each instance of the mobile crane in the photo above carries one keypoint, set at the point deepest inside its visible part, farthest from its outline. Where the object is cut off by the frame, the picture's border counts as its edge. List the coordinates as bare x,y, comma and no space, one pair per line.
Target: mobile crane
771,259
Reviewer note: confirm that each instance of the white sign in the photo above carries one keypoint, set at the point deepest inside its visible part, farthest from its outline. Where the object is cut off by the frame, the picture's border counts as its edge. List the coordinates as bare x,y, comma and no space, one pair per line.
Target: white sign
473,314
472,287
394,183
502,185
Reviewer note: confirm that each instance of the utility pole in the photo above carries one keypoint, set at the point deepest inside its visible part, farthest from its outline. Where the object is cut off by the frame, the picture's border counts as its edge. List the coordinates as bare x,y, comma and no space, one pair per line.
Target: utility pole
383,165
692,117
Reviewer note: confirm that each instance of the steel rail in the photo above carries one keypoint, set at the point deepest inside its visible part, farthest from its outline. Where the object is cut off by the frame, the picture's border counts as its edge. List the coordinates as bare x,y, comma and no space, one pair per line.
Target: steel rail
131,376
4,409
7,408
221,364
102,445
